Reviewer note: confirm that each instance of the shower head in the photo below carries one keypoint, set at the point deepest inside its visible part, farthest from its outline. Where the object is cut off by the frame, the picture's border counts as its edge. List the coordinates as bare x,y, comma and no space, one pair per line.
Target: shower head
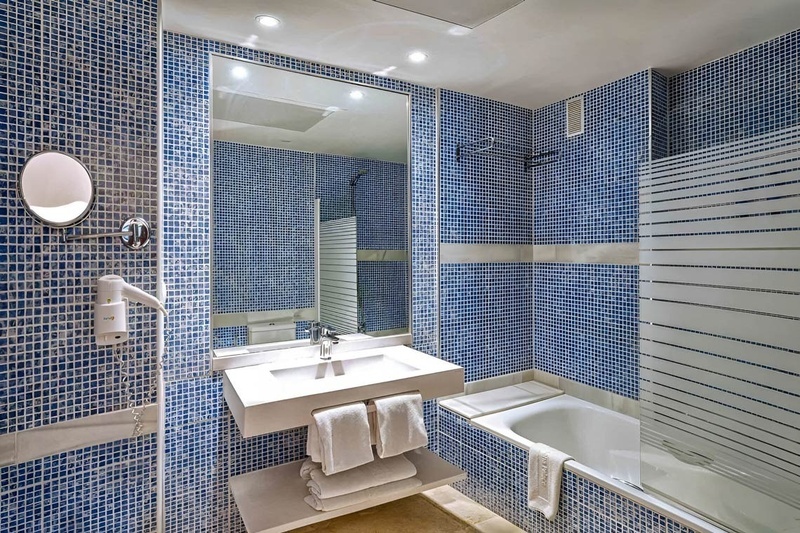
354,179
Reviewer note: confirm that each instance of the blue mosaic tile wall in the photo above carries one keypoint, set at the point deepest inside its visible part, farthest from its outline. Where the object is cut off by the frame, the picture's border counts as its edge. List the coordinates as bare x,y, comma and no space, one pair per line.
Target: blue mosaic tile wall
590,194
585,315
586,324
70,80
486,309
263,228
487,317
382,285
498,478
659,109
749,93
108,487
484,200
204,445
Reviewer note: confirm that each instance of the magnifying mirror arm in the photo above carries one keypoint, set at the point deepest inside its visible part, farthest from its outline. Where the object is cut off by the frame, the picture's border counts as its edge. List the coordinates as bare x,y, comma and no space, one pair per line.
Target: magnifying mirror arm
91,236
134,233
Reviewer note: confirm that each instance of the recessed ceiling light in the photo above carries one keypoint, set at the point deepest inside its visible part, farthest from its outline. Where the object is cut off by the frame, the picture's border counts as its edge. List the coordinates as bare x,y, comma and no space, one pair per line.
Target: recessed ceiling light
239,73
268,21
417,56
356,94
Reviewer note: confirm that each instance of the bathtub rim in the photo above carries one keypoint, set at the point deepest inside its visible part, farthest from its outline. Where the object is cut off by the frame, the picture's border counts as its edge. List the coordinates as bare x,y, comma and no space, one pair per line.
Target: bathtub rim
503,431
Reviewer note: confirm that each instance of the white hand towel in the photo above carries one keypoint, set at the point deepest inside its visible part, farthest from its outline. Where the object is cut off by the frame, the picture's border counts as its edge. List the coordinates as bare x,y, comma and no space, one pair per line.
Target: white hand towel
343,437
307,467
312,444
378,472
545,465
331,504
400,426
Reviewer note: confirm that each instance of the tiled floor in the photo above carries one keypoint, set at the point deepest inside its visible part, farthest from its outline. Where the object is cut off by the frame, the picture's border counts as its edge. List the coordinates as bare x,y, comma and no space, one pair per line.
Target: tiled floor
441,510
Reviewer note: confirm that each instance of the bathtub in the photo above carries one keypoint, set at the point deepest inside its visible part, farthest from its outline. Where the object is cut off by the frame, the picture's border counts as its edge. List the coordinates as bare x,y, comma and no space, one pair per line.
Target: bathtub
604,446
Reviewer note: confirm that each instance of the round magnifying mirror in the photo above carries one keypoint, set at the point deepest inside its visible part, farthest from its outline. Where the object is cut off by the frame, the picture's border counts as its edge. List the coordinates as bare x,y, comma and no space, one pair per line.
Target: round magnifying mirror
56,189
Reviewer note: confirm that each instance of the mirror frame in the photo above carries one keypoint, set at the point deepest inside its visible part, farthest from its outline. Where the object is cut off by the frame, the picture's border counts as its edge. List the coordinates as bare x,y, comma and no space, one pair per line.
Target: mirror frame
255,355
39,219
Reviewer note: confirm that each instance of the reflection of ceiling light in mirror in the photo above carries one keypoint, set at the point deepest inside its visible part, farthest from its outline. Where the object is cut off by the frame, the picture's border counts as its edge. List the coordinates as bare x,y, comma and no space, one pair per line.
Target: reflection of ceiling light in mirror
267,21
385,72
417,56
459,31
356,95
239,73
250,42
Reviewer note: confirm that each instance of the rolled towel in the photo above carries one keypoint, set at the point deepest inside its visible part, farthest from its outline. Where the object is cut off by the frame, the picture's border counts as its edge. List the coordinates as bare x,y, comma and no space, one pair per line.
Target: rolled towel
307,467
331,504
400,426
545,465
343,437
378,472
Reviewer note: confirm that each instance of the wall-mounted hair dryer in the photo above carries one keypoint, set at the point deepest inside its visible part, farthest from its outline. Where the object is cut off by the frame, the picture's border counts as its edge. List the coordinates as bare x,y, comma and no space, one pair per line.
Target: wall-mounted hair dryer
111,309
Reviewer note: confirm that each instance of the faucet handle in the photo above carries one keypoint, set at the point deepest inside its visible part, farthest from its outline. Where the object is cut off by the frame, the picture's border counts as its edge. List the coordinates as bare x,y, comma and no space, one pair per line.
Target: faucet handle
329,334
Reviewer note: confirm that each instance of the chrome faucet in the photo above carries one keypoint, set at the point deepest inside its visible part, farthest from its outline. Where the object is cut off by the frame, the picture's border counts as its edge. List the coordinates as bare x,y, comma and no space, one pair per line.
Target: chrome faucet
327,339
313,331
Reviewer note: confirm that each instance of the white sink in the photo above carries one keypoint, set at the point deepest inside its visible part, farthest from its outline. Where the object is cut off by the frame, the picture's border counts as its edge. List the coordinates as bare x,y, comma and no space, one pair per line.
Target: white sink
378,364
281,395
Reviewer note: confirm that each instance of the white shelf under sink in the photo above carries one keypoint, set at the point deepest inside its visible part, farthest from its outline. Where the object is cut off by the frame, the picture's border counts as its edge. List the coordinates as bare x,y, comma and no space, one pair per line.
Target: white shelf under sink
271,500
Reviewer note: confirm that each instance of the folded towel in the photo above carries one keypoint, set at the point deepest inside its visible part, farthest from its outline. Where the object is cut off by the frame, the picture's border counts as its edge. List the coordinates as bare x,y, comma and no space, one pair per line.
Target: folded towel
545,465
378,472
312,444
307,466
342,437
400,426
331,504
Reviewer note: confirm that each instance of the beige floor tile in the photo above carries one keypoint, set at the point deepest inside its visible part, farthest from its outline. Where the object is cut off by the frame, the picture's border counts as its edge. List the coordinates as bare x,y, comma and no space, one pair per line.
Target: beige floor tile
497,525
415,514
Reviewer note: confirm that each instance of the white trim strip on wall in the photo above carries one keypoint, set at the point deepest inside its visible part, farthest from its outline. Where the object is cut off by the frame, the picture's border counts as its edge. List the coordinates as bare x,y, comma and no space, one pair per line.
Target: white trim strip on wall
626,253
74,434
485,253
382,255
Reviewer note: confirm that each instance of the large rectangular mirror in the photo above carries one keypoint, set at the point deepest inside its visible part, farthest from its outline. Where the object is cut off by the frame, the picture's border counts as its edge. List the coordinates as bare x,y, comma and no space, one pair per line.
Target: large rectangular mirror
309,199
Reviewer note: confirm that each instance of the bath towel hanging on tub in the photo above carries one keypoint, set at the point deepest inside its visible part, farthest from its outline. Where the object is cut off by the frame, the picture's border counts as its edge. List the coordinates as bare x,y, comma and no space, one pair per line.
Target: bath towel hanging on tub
545,466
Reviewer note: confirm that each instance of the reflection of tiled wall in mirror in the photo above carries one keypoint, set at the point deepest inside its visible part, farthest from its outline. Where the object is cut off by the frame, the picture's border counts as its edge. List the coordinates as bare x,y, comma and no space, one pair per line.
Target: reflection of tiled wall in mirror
380,198
264,231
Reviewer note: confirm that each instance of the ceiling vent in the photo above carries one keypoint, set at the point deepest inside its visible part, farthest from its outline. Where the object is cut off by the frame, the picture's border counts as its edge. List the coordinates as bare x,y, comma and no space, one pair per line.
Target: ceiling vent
466,13
574,110
267,112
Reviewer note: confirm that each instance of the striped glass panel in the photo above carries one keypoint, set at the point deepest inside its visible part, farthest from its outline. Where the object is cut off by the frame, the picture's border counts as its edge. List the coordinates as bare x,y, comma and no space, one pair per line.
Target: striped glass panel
720,330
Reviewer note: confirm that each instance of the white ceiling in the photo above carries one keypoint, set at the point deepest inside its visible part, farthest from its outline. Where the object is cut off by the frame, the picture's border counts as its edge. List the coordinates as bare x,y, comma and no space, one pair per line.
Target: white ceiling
536,53
315,114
